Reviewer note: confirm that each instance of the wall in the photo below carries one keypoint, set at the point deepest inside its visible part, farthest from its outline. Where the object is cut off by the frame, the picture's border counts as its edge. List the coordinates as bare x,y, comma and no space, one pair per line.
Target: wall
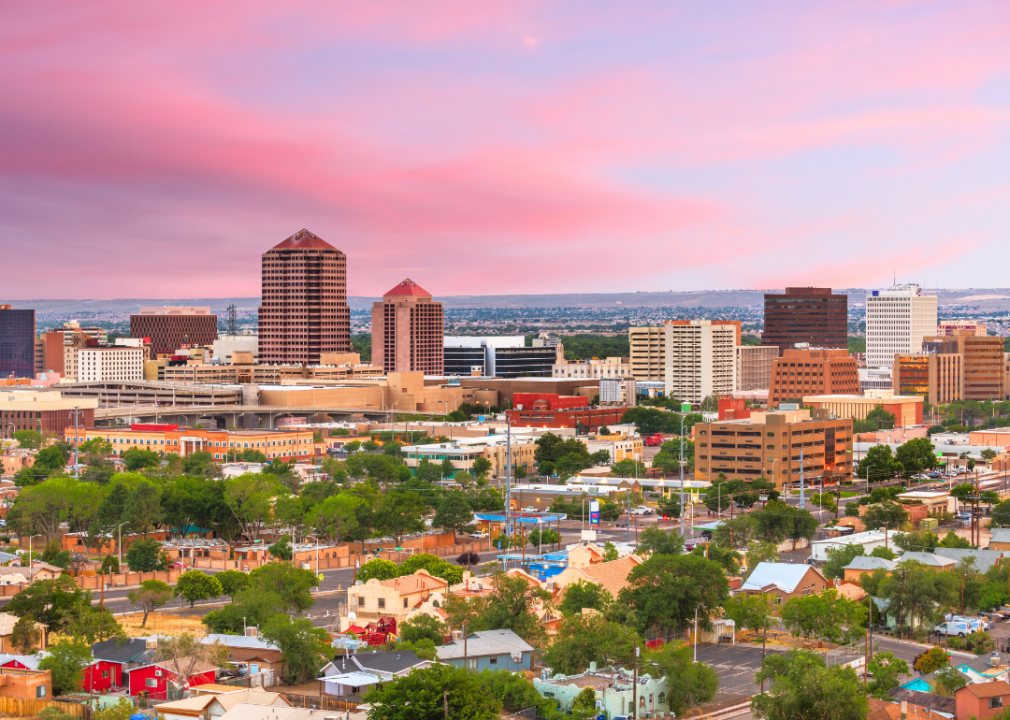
25,684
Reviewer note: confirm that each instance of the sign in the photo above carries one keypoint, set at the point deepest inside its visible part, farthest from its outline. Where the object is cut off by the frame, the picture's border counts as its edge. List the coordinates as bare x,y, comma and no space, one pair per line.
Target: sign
320,577
685,407
594,512
481,418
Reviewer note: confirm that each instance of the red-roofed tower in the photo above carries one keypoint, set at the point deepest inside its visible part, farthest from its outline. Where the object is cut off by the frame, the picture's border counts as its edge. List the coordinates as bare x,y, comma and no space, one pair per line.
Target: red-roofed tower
407,331
304,309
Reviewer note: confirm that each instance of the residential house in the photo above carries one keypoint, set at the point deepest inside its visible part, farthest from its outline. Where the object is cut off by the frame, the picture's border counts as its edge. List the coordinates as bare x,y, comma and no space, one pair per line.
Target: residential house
937,562
255,653
351,675
985,668
122,656
250,711
984,559
7,623
850,591
166,680
25,684
982,700
214,706
928,701
22,662
862,564
487,650
395,598
1000,539
612,576
614,689
784,581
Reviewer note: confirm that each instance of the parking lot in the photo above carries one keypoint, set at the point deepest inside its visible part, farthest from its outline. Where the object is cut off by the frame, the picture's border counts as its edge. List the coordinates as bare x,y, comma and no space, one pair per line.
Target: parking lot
736,665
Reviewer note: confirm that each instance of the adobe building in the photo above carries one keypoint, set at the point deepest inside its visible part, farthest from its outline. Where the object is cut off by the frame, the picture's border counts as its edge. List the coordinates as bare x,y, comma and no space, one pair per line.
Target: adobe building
907,409
408,328
802,372
810,316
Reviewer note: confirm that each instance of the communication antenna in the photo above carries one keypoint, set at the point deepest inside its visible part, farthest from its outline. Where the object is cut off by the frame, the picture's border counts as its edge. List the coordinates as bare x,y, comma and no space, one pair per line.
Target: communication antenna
232,320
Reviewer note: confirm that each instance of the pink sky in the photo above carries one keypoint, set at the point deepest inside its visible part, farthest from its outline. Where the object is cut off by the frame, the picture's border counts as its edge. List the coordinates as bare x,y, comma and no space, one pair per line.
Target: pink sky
152,150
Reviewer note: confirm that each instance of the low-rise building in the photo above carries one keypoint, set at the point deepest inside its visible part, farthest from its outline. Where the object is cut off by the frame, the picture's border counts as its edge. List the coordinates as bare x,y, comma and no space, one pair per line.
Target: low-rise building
208,706
394,598
221,444
255,654
611,367
982,699
907,409
462,452
7,623
784,581
354,674
166,679
25,684
45,411
553,410
487,650
615,691
870,540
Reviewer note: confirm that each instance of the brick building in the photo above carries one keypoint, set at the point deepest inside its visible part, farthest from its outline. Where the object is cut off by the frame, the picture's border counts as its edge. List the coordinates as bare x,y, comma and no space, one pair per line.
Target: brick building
549,410
408,328
171,328
47,412
183,441
304,309
813,372
809,315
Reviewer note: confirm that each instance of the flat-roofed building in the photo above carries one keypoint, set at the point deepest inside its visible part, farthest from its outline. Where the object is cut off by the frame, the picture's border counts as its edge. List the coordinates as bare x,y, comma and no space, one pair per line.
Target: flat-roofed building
754,366
907,409
497,356
17,342
701,358
897,321
648,352
800,372
45,411
948,327
462,452
171,328
806,315
110,363
183,441
611,367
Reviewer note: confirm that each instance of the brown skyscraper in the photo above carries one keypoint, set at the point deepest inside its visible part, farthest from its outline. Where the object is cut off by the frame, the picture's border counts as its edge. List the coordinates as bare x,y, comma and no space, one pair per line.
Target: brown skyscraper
304,310
407,331
806,315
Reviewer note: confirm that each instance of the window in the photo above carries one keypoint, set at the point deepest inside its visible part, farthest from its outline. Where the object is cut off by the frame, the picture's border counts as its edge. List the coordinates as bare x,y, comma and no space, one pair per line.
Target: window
995,703
105,674
493,660
404,602
151,682
361,601
40,691
382,603
471,663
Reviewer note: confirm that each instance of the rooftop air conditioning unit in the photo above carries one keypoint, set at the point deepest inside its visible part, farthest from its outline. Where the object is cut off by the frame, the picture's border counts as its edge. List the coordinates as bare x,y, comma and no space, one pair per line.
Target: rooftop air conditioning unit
457,634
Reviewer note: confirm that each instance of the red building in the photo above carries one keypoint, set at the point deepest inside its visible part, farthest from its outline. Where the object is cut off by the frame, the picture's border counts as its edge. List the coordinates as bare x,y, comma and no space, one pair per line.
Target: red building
733,409
153,680
549,410
102,675
548,401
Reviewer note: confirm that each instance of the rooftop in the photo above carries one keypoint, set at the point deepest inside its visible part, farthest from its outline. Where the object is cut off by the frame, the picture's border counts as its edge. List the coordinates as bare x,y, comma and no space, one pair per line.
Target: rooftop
303,240
784,576
408,287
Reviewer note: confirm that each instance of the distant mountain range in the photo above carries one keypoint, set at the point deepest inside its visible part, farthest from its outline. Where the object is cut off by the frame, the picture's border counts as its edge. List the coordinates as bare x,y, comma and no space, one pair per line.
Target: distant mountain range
988,299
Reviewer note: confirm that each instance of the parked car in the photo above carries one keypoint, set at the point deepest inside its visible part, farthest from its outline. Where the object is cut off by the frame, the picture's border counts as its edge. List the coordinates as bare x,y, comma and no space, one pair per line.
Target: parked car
963,516
529,508
479,535
641,510
953,628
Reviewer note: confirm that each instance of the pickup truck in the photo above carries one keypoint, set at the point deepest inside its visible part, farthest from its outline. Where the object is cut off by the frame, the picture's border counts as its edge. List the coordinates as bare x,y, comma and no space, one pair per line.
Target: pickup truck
641,510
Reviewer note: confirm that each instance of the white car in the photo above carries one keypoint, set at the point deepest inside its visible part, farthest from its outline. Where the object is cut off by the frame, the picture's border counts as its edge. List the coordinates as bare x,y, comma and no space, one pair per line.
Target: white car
529,508
953,628
479,535
641,510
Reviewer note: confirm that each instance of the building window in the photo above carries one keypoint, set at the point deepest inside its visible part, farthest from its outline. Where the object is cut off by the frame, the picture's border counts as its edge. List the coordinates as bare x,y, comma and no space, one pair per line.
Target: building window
471,663
493,660
382,603
40,691
995,703
150,682
404,602
361,601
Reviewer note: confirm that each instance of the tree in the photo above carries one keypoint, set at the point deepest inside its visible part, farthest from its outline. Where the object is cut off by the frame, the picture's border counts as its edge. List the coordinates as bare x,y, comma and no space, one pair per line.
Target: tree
152,595
54,554
839,558
736,533
145,556
988,454
122,710
584,704
886,669
291,584
931,660
803,688
827,615
468,559
423,627
304,647
66,660
668,506
232,582
879,464
727,557
282,549
251,608
1001,514
689,684
25,634
610,552
188,653
886,514
436,566
947,681
336,517
137,459
665,591
581,594
762,552
50,602
916,541
447,468
196,585
626,468
913,591
249,497
30,439
582,639
481,467
50,458
398,514
884,553
752,612
510,606
653,540
378,569
453,513
427,692
916,455
546,536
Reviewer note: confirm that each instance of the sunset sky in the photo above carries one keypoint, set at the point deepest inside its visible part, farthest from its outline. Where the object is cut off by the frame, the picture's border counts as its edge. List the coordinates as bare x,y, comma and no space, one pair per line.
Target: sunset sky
157,149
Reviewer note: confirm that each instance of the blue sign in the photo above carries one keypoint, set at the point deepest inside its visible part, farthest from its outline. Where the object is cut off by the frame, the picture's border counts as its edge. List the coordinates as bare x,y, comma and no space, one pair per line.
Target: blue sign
594,512
481,418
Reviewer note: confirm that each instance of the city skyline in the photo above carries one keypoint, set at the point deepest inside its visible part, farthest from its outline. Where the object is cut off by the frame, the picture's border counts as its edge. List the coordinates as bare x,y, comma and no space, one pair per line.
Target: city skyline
730,147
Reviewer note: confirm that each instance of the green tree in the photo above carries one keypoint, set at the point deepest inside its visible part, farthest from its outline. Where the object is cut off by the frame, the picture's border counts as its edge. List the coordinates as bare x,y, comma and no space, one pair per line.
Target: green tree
689,684
196,585
336,517
931,660
423,627
50,602
25,634
547,536
122,710
653,540
30,439
282,549
453,513
250,498
304,647
510,606
151,595
727,557
665,591
398,514
803,688
143,508
751,612
54,554
582,639
916,541
626,468
885,669
233,582
581,594
481,467
916,455
145,556
827,615
759,553
839,558
737,533
584,704
884,553
913,592
610,552
885,514
947,681
378,569
879,464
668,506
66,660
137,459
448,470
1001,514
424,693
292,585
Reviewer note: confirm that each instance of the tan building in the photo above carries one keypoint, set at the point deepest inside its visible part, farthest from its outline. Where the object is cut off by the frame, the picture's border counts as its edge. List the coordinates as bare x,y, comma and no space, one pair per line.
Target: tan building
45,411
907,409
408,328
395,598
936,374
611,367
769,445
802,372
462,452
648,352
701,358
183,441
242,369
24,684
620,447
397,392
948,327
754,366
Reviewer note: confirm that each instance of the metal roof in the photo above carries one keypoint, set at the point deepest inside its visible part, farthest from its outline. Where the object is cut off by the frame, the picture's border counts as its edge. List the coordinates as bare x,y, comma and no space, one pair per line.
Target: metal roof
483,643
240,641
868,562
927,559
984,559
785,576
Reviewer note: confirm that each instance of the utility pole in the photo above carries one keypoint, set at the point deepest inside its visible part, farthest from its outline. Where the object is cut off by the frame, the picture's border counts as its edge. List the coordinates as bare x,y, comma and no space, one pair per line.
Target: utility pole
508,474
634,675
684,408
445,703
802,496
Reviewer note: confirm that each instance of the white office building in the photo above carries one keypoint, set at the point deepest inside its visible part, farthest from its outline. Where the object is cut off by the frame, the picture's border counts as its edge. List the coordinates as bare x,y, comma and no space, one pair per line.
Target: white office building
110,364
700,359
897,321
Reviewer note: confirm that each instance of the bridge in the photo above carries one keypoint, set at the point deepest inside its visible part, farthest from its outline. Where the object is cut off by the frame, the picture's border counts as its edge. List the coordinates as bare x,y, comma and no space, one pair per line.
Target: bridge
234,415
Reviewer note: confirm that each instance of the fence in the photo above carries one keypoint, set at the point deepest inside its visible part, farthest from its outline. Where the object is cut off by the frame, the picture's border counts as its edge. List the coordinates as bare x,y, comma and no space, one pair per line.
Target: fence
30,708
323,702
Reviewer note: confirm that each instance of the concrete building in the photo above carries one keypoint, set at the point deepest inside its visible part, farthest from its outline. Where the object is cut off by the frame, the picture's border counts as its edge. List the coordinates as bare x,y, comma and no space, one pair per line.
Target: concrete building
548,410
498,356
110,363
47,412
183,441
376,599
935,374
701,358
907,409
407,330
618,391
171,328
40,355
754,366
304,309
611,367
812,372
648,352
897,321
769,444
615,691
226,345
17,342
463,451
948,327
869,540
809,316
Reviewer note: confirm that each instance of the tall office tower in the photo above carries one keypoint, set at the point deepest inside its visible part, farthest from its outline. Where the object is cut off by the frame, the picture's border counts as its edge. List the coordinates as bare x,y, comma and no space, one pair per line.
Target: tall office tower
172,328
897,321
806,315
407,331
701,358
17,342
648,352
304,310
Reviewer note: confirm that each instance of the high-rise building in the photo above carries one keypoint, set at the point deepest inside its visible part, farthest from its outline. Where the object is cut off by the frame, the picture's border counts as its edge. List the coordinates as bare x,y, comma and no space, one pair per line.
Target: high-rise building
407,331
754,366
802,372
502,356
17,342
648,352
304,309
811,316
959,366
172,328
897,321
701,358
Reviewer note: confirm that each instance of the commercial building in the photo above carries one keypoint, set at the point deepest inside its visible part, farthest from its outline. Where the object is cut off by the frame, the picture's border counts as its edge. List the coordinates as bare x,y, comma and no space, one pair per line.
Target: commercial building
171,328
984,366
183,441
304,309
770,444
907,409
618,391
498,356
548,410
648,352
809,315
47,412
226,345
462,452
407,330
701,358
813,372
397,392
242,370
110,363
754,366
17,342
611,367
948,327
958,366
501,392
897,321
